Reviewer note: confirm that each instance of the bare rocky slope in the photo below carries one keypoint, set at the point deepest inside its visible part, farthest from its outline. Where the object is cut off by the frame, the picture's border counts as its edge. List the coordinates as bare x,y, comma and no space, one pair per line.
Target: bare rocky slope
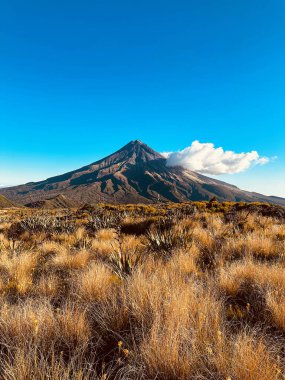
133,174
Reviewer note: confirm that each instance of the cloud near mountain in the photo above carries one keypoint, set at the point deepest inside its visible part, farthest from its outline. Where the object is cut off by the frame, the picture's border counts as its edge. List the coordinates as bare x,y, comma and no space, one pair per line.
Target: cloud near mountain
205,158
138,174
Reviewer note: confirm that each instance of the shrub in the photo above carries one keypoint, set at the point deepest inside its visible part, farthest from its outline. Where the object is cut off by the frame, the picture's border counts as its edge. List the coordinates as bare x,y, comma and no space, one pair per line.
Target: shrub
42,223
103,221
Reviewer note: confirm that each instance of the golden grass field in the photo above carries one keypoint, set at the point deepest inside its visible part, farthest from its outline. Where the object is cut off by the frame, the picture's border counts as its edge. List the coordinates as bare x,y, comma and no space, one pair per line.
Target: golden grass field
187,291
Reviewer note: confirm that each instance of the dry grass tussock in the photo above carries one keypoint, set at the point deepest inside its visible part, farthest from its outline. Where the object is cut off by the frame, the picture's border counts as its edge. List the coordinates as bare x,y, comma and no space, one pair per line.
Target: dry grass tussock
192,291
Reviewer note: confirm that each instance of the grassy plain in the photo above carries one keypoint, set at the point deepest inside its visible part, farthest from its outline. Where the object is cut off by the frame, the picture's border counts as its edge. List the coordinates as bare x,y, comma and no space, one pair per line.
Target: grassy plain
169,291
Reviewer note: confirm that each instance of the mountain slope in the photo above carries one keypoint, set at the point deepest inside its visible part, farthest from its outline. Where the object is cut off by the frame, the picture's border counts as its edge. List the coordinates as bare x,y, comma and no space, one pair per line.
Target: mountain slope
59,201
133,174
6,203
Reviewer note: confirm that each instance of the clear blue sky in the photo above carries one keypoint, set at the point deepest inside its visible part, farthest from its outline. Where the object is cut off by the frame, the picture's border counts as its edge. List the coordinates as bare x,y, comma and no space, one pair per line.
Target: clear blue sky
79,79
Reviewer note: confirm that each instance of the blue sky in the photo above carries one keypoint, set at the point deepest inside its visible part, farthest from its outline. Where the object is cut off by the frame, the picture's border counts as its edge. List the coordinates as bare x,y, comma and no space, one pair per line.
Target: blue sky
79,79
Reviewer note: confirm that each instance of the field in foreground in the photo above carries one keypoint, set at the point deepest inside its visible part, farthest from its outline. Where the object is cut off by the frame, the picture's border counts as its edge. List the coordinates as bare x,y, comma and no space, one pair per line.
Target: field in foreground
143,292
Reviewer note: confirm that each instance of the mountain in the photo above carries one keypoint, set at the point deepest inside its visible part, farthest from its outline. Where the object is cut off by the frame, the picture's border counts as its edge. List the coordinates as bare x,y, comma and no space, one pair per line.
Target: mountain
6,203
133,174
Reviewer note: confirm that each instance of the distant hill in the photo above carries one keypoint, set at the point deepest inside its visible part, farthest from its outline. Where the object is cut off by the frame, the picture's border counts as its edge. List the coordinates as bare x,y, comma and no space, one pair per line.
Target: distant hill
133,174
6,203
59,201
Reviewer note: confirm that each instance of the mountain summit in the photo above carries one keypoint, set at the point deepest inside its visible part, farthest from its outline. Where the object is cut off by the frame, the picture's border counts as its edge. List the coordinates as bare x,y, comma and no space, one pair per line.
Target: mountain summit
134,174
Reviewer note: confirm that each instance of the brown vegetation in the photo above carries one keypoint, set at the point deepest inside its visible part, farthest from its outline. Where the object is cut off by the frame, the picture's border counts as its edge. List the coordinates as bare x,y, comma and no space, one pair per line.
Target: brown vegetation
184,291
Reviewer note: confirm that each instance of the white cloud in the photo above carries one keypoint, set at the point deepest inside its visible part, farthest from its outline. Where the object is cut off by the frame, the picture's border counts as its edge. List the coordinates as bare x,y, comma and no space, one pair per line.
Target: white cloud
205,158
